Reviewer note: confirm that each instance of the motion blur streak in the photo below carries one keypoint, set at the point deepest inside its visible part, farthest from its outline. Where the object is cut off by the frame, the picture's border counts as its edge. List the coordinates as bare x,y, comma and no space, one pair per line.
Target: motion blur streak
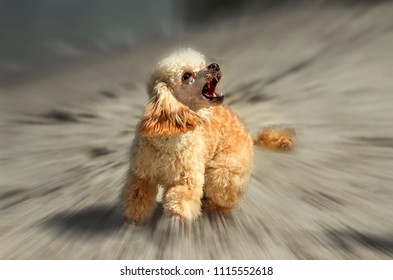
71,97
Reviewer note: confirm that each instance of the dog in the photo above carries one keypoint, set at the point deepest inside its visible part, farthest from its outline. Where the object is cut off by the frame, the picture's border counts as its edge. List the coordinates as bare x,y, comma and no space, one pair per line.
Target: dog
191,144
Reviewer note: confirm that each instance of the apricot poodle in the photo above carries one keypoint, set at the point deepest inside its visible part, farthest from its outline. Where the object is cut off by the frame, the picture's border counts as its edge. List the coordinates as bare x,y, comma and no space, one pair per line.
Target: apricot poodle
191,144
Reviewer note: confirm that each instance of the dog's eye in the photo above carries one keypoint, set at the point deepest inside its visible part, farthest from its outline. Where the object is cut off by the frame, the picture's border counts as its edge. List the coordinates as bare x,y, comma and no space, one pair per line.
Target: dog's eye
186,76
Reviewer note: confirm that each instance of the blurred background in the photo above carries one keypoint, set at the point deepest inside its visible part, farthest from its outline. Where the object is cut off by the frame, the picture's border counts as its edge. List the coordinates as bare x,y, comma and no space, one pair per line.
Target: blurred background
72,88
43,33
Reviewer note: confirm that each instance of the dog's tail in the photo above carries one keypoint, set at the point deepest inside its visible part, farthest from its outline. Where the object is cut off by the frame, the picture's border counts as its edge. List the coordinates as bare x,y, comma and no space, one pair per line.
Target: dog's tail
276,138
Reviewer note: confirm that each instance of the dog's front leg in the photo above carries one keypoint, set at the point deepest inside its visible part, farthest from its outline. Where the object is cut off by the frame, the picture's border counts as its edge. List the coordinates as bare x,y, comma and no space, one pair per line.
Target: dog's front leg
183,200
139,199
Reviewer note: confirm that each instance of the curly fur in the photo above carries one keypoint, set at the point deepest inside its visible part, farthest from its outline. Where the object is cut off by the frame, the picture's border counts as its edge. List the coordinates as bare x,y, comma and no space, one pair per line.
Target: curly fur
199,151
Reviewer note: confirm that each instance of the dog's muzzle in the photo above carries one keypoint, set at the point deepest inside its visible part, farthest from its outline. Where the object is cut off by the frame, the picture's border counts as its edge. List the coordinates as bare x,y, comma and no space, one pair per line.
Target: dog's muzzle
209,89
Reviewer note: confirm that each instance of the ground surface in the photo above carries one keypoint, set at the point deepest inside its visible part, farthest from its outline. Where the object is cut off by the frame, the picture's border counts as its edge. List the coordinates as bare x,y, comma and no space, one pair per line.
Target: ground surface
325,72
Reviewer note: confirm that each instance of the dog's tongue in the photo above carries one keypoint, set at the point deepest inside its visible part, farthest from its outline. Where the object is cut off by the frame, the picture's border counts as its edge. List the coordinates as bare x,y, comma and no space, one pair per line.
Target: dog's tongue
213,94
211,91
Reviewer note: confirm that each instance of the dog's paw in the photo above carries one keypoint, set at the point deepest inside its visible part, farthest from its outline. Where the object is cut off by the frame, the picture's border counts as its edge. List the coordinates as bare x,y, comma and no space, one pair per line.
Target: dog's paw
183,210
188,211
136,215
182,202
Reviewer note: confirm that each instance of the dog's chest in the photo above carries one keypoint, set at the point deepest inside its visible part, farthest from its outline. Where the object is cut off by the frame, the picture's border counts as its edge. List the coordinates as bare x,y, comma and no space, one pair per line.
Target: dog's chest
167,159
171,145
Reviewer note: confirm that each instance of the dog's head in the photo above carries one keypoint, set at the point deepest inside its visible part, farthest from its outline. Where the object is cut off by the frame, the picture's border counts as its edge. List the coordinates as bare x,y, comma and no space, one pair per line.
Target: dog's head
180,86
190,80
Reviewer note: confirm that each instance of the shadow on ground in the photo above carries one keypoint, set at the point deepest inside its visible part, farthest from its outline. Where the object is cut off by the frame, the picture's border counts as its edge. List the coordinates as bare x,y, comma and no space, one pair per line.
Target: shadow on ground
101,219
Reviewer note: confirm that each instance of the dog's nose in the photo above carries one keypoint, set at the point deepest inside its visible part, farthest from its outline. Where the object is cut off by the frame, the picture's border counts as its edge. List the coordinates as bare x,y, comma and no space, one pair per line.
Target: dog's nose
214,66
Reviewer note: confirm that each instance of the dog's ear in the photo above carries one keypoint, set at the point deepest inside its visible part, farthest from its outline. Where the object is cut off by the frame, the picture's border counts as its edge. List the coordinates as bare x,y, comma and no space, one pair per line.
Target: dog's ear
164,115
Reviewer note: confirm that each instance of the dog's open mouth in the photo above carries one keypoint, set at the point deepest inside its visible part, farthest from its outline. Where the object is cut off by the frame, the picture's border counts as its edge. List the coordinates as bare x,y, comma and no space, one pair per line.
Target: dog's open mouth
209,91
